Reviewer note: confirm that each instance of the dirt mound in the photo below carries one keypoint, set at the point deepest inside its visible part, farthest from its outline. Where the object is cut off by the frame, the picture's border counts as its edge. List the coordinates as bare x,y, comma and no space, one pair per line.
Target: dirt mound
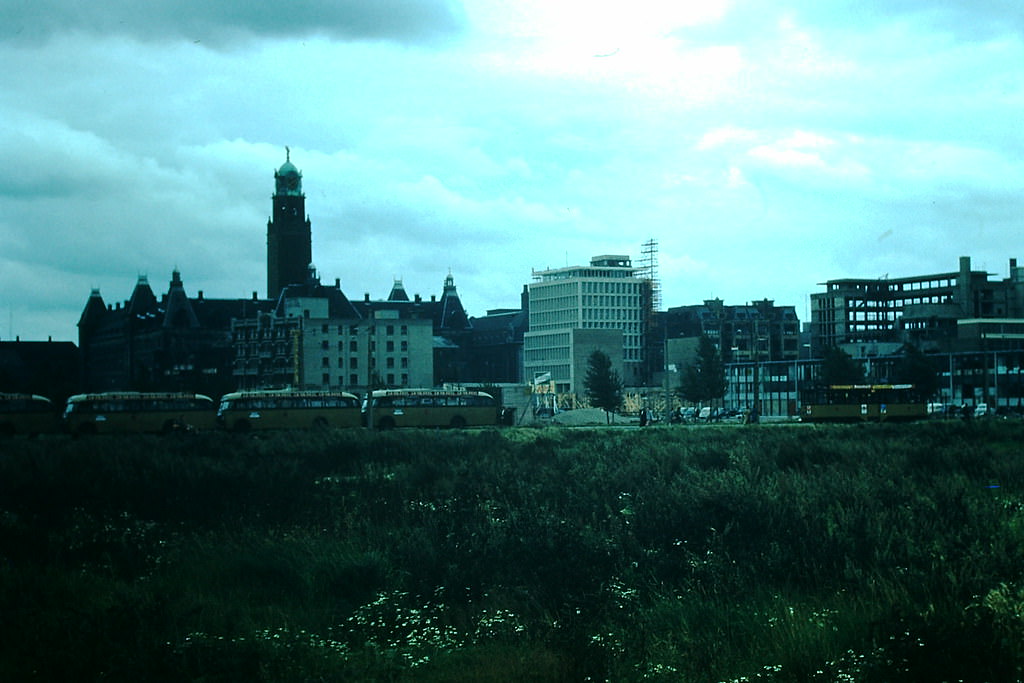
589,416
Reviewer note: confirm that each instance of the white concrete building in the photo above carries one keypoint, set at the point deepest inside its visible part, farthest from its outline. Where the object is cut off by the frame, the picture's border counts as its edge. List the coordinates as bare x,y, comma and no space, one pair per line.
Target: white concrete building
578,309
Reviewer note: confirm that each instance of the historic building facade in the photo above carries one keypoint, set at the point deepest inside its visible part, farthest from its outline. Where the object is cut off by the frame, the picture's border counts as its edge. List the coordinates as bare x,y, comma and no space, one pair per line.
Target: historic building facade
316,338
172,343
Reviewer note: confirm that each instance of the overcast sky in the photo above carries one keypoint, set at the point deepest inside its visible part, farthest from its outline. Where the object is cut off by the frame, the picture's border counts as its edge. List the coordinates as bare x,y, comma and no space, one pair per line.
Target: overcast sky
767,146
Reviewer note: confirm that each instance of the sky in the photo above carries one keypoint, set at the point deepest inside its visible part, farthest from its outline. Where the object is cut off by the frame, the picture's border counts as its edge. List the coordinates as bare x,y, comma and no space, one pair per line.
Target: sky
766,145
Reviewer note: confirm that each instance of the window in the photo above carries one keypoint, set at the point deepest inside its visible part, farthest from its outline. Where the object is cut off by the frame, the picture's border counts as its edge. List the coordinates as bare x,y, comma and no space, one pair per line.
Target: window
353,346
390,347
353,362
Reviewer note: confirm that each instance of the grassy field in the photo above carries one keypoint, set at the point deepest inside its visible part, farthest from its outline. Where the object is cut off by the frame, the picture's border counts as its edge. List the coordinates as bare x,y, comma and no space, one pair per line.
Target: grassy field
784,553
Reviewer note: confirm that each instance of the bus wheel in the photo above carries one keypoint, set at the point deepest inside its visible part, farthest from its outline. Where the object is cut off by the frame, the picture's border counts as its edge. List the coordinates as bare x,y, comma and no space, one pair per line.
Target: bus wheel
458,422
87,429
385,424
242,426
320,423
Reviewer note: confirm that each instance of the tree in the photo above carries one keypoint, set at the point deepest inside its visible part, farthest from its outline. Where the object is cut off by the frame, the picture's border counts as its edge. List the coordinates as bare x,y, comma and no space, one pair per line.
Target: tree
602,384
915,368
839,367
704,378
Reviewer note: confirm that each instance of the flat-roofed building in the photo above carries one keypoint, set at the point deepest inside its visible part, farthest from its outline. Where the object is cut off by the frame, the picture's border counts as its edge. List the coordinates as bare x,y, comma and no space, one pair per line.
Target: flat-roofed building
567,304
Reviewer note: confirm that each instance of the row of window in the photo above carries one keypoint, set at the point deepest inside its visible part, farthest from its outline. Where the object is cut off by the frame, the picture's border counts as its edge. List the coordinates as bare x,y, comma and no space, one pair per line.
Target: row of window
253,333
355,330
353,380
353,345
291,402
353,362
469,400
611,314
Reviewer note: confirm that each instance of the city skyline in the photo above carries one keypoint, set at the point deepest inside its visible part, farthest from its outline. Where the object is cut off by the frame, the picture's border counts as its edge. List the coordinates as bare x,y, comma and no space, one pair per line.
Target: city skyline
767,147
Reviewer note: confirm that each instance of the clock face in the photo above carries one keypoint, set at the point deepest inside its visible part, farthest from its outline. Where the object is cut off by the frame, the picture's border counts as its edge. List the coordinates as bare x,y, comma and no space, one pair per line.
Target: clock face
292,183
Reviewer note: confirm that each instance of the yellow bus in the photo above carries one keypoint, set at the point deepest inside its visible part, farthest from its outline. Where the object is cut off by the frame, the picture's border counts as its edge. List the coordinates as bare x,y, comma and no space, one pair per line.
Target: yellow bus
864,403
392,408
27,414
243,411
130,411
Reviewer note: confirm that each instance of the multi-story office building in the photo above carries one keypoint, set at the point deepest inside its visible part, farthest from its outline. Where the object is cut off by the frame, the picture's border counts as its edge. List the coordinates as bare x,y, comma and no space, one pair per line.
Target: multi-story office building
874,317
577,309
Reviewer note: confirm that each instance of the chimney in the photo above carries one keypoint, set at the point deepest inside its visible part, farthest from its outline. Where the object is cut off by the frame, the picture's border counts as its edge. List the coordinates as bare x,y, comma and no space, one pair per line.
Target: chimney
254,297
337,283
417,298
366,297
433,298
1013,263
200,296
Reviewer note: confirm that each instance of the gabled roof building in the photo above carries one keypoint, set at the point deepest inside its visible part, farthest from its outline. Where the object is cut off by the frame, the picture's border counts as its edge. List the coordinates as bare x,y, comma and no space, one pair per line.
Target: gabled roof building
174,343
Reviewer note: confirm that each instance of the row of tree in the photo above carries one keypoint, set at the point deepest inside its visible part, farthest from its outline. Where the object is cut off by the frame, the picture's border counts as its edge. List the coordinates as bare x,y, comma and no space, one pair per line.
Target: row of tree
703,378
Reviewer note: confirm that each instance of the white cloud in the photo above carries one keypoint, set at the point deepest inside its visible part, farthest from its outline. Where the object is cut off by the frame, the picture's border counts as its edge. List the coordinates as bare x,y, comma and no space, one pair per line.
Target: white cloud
766,146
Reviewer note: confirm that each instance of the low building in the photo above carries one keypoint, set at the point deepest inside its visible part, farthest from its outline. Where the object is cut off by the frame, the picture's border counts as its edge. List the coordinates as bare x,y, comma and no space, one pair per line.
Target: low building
48,368
495,348
759,330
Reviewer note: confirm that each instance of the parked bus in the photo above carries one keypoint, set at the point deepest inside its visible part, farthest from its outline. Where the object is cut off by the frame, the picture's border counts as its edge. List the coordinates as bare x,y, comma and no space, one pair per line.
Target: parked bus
864,403
27,414
392,408
243,411
128,411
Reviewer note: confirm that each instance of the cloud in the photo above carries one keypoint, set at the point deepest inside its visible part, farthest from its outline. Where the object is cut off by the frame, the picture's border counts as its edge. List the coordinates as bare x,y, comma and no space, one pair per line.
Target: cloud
766,145
225,21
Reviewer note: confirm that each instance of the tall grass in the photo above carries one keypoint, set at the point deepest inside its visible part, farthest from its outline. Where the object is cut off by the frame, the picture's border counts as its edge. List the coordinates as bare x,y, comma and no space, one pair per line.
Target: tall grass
803,553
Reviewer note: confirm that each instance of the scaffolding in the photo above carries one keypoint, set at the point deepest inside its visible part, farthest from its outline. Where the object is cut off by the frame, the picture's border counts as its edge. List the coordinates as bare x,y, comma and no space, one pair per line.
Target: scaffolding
649,271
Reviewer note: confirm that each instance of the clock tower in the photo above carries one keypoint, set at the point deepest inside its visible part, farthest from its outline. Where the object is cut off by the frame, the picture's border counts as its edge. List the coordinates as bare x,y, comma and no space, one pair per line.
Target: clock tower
289,237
